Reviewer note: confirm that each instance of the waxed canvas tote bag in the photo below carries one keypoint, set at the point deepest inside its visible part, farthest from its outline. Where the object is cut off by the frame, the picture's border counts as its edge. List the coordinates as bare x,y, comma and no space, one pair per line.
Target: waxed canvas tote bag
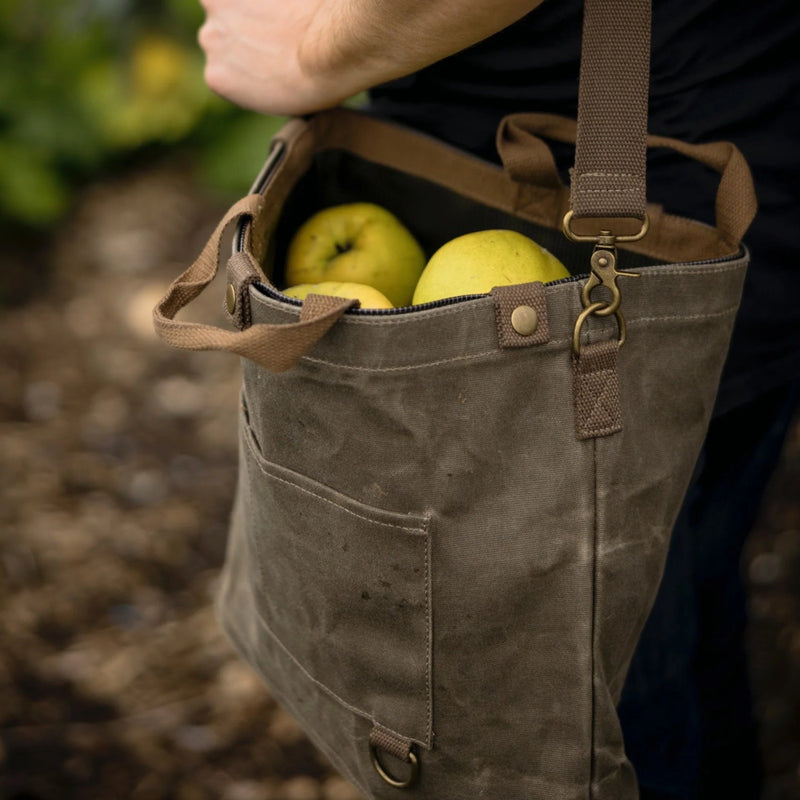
451,519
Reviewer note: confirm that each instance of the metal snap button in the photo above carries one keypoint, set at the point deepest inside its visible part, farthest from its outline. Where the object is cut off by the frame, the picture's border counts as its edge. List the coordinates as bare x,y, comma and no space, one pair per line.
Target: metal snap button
230,298
524,320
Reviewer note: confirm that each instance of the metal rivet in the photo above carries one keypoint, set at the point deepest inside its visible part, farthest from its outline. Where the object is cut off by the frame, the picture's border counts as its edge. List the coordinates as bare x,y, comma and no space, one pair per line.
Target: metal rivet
524,320
230,298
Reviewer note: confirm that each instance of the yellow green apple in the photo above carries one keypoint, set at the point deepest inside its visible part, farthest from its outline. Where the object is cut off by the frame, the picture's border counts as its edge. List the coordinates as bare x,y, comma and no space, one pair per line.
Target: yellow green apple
368,295
357,243
477,262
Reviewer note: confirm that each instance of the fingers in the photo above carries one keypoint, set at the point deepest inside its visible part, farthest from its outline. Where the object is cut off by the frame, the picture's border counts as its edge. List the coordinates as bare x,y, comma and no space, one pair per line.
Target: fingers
253,52
213,39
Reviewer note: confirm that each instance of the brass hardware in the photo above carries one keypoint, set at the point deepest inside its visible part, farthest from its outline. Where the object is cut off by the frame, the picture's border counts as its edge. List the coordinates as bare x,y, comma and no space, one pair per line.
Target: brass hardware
604,236
524,320
587,312
230,298
604,273
413,760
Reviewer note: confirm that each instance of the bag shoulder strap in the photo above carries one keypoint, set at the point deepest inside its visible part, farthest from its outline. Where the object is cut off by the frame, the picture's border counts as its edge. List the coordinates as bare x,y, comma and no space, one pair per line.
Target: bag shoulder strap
608,179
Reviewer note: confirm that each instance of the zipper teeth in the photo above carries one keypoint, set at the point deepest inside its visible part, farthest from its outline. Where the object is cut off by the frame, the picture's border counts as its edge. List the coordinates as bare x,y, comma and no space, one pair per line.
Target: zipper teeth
276,294
274,158
445,301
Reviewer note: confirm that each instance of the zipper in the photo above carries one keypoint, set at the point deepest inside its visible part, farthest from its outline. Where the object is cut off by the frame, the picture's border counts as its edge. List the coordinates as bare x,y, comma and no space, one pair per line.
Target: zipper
276,294
277,149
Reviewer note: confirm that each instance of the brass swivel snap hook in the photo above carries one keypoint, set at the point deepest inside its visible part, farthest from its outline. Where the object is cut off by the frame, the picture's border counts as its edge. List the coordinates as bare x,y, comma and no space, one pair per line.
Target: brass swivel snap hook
604,272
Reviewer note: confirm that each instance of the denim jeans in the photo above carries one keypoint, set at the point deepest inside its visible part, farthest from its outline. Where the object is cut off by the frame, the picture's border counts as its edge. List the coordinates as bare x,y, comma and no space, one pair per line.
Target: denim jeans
686,709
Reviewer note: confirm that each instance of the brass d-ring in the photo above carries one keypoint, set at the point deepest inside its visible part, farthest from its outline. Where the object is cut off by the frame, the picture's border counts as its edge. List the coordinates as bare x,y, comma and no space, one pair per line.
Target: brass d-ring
413,760
566,228
594,308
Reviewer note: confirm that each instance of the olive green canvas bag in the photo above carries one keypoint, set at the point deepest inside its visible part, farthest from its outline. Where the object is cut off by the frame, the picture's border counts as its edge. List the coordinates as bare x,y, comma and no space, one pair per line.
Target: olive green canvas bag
451,519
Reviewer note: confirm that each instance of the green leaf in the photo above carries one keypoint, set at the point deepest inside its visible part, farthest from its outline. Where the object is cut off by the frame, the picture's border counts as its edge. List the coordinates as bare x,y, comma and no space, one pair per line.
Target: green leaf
30,189
230,162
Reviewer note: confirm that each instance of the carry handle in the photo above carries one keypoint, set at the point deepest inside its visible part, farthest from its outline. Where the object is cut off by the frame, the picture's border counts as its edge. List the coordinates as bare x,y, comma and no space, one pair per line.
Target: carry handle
275,347
528,159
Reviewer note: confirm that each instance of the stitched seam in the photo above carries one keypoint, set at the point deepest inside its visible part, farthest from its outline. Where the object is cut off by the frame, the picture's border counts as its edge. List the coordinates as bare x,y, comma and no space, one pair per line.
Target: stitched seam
404,366
261,574
628,189
599,405
698,271
608,175
233,631
551,345
414,529
713,315
429,629
593,734
328,690
592,433
423,530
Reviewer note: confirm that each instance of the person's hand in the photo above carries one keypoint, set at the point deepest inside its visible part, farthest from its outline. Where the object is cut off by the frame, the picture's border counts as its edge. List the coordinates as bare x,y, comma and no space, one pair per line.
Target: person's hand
254,55
297,56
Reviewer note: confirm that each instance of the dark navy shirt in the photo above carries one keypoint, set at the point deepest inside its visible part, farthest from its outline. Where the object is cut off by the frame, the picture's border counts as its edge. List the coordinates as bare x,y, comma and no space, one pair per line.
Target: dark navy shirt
721,69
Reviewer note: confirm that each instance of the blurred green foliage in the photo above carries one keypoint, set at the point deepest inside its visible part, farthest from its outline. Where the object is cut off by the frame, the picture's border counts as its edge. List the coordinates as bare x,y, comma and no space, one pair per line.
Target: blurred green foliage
88,84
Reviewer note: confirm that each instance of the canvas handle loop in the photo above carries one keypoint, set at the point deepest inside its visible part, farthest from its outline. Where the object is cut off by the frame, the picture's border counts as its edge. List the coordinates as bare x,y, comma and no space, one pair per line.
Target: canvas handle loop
275,347
520,149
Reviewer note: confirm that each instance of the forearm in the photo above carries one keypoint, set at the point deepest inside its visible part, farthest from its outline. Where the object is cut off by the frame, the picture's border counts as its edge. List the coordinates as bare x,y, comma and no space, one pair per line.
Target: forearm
318,52
376,40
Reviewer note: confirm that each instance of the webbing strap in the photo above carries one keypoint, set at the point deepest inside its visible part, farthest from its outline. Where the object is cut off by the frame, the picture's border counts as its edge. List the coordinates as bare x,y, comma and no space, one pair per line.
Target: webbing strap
608,179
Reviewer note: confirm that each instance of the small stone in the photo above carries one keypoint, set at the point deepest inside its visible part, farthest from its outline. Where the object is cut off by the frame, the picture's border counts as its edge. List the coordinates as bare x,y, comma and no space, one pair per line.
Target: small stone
42,401
147,487
185,471
196,738
238,682
337,788
246,790
300,788
108,411
82,317
137,309
76,664
178,396
130,250
149,788
190,789
284,728
117,363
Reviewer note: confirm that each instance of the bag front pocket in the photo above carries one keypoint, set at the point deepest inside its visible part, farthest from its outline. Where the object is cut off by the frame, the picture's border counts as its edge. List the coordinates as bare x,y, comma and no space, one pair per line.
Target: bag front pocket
344,590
